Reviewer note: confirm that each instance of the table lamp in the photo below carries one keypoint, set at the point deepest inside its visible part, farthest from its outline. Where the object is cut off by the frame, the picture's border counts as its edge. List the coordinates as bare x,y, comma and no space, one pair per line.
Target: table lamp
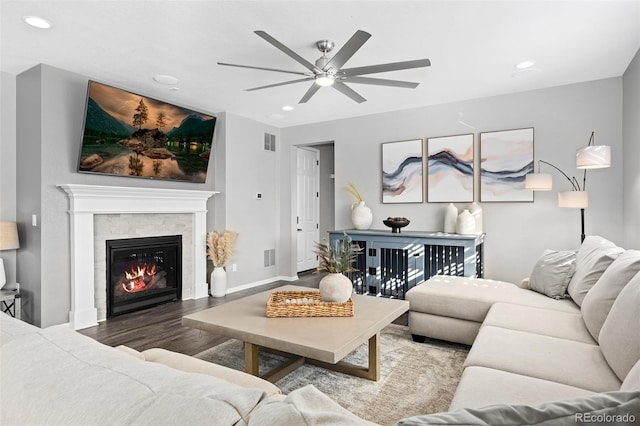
8,241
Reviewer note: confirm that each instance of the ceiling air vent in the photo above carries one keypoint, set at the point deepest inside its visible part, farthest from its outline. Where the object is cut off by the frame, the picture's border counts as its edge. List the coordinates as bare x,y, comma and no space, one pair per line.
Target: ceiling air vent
269,142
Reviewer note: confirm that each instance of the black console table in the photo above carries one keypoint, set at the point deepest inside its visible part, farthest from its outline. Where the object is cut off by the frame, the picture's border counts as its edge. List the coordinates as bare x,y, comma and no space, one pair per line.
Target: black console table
390,264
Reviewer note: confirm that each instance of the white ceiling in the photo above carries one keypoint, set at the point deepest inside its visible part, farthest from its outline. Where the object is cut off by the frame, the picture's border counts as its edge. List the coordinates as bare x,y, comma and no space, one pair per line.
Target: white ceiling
473,47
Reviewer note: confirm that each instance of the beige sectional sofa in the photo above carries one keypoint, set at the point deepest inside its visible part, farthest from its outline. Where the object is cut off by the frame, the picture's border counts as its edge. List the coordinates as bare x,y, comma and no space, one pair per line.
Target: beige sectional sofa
55,376
534,360
530,349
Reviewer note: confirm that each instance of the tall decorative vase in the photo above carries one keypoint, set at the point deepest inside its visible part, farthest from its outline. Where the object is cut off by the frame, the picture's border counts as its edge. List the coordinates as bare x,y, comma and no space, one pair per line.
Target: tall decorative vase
218,282
361,216
476,212
465,223
450,217
335,288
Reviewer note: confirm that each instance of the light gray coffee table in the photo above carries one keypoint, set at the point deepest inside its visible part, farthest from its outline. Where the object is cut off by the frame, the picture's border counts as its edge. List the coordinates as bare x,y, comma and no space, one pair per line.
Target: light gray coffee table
322,341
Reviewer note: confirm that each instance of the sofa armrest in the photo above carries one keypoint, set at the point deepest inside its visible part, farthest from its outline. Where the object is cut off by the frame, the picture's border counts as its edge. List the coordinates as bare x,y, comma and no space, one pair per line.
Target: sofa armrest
131,351
194,365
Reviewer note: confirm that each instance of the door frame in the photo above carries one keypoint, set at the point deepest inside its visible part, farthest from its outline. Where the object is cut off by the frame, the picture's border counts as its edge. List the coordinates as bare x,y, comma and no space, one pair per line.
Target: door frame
316,203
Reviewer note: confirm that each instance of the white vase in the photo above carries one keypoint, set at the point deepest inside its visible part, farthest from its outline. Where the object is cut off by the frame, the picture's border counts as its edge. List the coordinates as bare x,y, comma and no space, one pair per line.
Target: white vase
336,288
218,282
361,216
476,212
450,217
465,224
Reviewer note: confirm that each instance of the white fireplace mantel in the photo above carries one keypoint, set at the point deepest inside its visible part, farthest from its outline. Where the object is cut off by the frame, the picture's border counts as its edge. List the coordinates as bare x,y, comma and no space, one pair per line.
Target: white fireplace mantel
89,200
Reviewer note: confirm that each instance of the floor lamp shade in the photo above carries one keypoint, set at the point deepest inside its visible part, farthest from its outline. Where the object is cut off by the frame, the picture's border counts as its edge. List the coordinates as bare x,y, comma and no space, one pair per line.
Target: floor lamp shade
573,199
593,157
538,182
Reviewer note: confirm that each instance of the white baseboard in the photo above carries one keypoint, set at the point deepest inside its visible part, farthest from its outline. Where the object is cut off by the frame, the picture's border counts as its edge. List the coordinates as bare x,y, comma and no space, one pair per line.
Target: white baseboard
260,283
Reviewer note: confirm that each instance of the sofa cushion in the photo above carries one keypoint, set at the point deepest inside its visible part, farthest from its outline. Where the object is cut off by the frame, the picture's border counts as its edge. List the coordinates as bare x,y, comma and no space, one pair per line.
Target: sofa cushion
57,376
624,406
443,328
598,301
481,386
547,322
564,361
632,381
552,272
593,258
620,334
304,406
14,329
471,298
194,365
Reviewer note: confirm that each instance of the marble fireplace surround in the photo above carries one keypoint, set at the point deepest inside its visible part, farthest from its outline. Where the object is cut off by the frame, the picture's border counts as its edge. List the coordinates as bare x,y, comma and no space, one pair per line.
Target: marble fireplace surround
86,201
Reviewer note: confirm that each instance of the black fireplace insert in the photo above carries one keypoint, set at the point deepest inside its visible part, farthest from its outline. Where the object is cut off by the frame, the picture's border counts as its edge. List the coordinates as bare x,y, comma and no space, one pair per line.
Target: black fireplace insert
143,272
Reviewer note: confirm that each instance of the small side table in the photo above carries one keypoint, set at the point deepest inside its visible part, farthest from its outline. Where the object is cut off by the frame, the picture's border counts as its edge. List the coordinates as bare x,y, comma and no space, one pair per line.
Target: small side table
10,302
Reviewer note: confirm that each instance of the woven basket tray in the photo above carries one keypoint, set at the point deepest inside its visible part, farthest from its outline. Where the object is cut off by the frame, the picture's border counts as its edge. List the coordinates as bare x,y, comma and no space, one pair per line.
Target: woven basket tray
278,307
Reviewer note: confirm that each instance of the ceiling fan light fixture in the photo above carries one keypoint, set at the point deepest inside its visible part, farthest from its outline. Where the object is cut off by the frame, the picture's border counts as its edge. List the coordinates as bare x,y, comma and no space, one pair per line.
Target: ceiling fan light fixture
325,79
38,22
524,64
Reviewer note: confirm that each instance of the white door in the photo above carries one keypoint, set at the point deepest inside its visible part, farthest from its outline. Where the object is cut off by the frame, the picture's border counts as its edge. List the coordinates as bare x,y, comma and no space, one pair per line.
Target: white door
308,209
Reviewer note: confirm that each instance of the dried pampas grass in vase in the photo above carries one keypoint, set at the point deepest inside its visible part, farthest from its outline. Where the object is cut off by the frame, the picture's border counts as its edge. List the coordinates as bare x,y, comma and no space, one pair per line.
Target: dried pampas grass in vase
219,249
220,246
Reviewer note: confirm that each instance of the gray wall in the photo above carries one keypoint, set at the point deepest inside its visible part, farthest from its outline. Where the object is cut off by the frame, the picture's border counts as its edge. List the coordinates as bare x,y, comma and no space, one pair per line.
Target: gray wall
517,233
327,190
631,135
50,104
250,169
8,166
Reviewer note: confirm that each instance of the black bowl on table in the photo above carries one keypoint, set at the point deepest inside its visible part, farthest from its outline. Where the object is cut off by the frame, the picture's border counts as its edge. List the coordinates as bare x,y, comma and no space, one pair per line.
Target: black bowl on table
395,223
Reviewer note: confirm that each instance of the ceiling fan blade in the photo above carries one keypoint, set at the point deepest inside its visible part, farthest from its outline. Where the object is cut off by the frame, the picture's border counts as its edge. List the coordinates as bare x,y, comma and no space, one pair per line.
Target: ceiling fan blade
312,91
308,65
346,90
382,82
394,66
261,68
278,84
346,52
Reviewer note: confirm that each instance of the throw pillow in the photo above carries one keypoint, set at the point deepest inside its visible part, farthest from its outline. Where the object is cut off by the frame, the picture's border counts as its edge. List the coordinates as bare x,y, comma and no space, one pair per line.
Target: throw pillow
598,301
611,407
552,273
594,257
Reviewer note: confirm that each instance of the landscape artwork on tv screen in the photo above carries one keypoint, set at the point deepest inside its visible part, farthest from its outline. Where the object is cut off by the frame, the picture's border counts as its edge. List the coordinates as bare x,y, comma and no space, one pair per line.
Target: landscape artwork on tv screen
131,135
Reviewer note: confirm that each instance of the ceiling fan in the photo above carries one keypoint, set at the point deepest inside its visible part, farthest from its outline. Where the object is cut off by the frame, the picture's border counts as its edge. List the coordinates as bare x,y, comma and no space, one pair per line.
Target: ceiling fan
329,72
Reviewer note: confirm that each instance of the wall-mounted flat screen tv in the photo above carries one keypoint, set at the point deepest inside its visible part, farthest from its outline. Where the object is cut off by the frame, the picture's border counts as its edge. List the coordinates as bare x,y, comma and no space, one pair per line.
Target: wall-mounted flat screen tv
126,134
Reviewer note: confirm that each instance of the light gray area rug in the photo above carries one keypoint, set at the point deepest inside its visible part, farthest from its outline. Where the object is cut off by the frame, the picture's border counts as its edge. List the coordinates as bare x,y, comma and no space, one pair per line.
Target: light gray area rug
415,378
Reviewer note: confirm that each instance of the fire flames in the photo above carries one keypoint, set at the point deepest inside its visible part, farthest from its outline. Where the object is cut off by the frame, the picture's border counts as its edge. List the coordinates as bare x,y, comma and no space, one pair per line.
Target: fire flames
139,278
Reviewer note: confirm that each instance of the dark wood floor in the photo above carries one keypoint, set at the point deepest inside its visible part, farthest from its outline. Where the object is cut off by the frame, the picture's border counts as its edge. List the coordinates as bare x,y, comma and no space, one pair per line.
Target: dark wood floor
161,326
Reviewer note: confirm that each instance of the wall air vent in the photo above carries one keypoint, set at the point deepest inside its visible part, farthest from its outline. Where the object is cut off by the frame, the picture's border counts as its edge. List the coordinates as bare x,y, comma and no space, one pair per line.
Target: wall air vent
269,142
269,257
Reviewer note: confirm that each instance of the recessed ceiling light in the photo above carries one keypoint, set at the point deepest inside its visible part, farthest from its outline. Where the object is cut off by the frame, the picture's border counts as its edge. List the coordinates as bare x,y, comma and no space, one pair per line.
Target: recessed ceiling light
165,79
38,22
525,64
287,108
174,88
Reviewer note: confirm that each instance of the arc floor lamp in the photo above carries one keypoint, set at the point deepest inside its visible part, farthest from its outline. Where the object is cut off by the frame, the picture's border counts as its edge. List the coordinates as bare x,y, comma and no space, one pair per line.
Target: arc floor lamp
589,157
